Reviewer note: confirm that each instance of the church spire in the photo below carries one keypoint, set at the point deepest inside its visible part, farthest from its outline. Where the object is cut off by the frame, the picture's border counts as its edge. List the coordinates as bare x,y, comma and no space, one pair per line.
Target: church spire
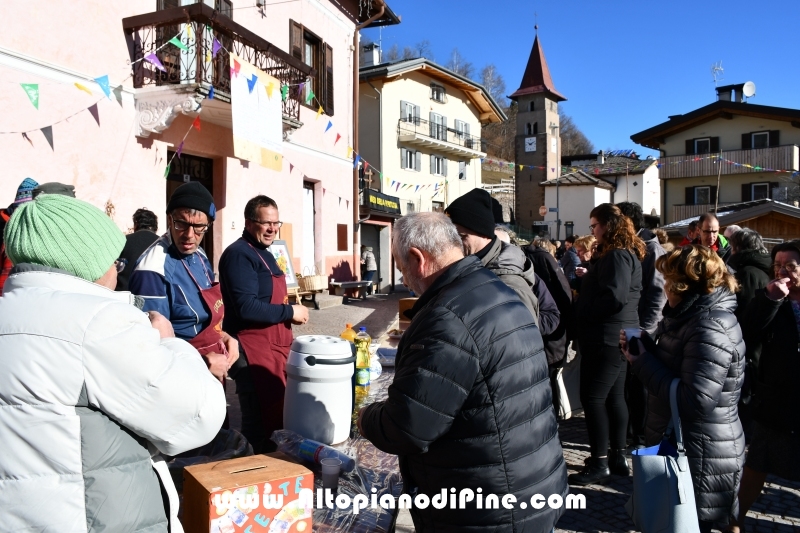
537,77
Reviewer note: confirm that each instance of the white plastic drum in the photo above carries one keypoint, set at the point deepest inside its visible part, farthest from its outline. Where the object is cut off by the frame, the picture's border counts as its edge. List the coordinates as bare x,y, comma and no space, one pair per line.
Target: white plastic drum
319,388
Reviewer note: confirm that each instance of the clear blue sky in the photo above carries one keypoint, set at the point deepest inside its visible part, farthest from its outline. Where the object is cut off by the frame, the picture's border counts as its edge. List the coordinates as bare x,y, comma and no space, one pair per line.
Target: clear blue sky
624,65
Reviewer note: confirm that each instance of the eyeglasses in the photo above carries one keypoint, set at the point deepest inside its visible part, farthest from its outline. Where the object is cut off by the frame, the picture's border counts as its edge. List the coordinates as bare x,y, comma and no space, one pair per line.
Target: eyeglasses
788,267
276,224
182,225
120,264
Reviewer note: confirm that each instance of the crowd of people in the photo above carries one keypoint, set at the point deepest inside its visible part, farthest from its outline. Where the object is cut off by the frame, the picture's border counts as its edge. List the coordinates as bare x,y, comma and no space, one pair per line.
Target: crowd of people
117,349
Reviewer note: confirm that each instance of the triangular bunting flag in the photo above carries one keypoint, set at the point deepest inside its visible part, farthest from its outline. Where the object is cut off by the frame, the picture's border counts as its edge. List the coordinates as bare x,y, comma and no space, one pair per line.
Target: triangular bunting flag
215,47
319,112
177,42
521,166
166,170
179,151
211,93
366,166
310,97
301,87
153,59
102,81
355,162
196,123
324,190
25,136
291,167
208,56
329,126
95,113
349,151
83,88
338,136
397,186
416,188
188,31
347,203
284,92
340,200
32,90
48,134
270,88
251,83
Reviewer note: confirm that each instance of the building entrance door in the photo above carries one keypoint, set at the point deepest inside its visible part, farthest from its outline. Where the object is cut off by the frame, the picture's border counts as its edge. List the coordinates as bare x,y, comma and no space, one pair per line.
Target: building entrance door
192,168
307,259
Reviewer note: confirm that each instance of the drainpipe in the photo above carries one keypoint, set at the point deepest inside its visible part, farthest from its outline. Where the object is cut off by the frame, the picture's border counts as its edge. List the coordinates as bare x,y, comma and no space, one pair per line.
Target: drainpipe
356,60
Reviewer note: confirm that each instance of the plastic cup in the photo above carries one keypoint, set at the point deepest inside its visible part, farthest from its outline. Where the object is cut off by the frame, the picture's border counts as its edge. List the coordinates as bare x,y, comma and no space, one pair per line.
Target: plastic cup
632,332
331,467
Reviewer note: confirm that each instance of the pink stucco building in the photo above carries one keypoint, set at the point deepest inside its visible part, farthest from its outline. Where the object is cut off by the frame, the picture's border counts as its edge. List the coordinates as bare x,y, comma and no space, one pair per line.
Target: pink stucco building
115,149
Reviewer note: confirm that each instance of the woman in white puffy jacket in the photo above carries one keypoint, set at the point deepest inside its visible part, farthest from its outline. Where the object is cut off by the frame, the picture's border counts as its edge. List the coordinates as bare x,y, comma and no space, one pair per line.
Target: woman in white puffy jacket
92,389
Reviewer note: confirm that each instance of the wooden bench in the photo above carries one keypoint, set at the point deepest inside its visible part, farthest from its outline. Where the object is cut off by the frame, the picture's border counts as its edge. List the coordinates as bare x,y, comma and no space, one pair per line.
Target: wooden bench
341,287
305,296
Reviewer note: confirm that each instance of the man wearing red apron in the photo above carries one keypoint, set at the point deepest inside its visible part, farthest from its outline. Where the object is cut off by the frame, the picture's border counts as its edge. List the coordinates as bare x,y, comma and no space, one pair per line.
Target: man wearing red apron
257,313
175,278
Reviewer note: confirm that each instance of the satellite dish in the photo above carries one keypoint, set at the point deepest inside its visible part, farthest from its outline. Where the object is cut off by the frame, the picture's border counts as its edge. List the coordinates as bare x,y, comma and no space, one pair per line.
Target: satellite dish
749,89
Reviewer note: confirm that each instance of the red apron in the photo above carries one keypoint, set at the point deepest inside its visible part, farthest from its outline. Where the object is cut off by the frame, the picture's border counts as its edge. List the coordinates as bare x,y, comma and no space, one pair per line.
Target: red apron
267,350
210,339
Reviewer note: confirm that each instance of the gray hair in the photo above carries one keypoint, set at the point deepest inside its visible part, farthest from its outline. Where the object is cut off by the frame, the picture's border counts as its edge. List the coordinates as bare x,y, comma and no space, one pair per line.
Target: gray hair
432,233
730,230
747,239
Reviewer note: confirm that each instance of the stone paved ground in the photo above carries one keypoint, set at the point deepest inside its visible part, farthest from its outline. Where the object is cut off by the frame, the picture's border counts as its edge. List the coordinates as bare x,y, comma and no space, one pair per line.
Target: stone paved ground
778,509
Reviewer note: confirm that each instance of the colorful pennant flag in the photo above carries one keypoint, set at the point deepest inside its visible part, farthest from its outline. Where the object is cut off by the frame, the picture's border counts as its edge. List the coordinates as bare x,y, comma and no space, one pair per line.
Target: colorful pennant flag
355,162
153,60
208,56
95,113
319,112
215,47
83,88
338,136
177,42
284,92
102,81
291,167
349,151
48,134
251,83
166,170
301,87
179,151
330,125
366,165
25,136
32,90
235,68
270,88
211,93
196,123
310,97
188,31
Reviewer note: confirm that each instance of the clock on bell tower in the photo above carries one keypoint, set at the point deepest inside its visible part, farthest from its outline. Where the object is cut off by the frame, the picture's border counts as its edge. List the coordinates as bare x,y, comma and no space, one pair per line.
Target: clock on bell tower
538,141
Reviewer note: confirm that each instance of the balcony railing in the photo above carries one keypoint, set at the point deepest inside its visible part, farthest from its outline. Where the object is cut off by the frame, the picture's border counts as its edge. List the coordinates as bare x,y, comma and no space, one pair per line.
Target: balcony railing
198,25
693,166
447,139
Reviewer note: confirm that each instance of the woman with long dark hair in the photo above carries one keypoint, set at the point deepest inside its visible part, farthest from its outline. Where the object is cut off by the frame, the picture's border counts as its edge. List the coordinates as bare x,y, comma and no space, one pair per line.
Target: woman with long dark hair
608,302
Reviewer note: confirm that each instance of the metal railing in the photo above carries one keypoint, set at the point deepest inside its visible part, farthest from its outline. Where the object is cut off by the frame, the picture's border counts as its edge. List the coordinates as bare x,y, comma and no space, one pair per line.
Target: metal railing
198,25
439,132
785,157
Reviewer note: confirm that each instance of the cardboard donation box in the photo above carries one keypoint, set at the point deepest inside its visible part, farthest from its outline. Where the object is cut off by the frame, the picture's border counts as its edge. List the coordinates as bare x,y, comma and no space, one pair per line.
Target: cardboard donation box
261,493
403,305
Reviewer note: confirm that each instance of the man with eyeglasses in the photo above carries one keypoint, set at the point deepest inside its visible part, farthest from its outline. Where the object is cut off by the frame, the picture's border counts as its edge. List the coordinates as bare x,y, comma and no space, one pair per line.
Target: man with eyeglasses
260,317
175,278
708,227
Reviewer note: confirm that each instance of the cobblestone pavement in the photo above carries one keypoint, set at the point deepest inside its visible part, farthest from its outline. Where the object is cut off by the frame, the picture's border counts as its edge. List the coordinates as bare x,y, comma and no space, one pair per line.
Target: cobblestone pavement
777,510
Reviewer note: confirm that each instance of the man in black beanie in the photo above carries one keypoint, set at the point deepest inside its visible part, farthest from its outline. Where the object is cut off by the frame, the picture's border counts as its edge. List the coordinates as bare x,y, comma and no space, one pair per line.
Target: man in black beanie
474,219
175,278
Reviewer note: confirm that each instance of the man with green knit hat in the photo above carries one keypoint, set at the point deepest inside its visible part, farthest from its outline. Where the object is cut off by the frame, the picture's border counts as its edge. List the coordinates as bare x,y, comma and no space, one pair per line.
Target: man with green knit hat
98,389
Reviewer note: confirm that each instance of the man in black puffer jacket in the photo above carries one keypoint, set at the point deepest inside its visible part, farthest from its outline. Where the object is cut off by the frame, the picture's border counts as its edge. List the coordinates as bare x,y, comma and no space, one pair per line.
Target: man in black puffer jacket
470,407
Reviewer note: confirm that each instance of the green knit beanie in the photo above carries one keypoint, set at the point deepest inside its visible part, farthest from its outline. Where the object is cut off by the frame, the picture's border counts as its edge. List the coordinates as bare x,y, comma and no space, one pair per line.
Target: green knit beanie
65,233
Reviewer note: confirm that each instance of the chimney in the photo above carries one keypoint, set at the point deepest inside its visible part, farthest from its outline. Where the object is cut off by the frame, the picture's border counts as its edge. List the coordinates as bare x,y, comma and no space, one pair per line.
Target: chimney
731,93
601,157
370,55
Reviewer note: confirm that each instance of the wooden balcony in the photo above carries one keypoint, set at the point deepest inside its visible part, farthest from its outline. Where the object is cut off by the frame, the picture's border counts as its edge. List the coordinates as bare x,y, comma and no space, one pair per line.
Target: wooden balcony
757,160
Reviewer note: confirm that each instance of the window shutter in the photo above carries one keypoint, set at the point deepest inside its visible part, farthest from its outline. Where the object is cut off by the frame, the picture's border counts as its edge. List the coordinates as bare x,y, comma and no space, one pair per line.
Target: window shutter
714,145
433,164
747,141
296,39
462,170
403,158
403,106
444,167
466,128
773,184
416,115
712,195
433,126
444,129
328,81
689,146
747,192
689,199
775,137
418,162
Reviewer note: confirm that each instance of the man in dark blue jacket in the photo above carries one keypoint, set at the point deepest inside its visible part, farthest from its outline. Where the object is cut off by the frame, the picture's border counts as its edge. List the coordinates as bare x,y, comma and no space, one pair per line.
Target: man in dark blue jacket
470,406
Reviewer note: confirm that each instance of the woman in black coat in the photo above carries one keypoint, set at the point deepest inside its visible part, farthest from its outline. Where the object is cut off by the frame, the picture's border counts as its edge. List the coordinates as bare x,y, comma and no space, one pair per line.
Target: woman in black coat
608,301
698,341
773,320
752,265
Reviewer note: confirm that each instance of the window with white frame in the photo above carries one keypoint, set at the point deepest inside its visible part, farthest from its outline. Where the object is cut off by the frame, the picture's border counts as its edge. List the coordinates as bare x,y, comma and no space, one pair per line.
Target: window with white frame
410,207
702,146
437,207
761,139
438,126
410,159
438,165
702,195
462,170
759,191
438,94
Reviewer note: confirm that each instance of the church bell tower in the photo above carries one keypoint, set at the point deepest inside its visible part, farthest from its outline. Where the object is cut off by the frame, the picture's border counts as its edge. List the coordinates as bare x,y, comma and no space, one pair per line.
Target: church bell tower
538,141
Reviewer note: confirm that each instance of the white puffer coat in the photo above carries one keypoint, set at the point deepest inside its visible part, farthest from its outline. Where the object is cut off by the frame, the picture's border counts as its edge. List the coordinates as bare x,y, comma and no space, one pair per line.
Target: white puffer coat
89,396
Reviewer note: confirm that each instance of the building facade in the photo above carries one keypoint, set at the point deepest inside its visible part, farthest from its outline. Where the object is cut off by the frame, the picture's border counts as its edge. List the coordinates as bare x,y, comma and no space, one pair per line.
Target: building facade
750,150
132,148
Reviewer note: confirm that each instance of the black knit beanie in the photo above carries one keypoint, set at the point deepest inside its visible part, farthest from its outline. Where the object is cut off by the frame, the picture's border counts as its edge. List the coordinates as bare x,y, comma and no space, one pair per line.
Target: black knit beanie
193,195
474,212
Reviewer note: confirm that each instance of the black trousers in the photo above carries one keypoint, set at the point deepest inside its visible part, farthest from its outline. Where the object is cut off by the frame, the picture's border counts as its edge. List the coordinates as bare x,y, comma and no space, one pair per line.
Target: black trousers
250,405
636,398
603,371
